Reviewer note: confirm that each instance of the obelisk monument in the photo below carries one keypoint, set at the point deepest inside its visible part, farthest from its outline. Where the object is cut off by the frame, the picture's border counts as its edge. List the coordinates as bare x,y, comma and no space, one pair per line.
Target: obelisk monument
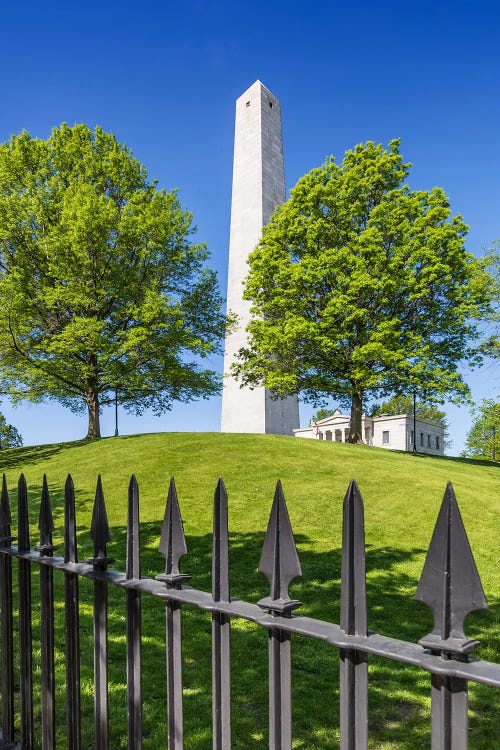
258,186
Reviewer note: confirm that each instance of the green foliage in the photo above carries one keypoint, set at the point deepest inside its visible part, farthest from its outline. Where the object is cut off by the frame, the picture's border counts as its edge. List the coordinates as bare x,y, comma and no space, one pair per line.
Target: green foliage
491,346
322,414
402,493
9,435
361,287
483,439
101,286
404,405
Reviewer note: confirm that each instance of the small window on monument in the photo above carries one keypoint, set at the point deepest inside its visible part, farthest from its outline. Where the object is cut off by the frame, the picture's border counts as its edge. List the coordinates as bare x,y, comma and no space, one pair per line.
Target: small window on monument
271,104
248,104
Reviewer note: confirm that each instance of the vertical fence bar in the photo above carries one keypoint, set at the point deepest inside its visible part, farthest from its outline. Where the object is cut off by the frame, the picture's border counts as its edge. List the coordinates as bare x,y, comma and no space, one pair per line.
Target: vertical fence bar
173,547
46,548
449,713
221,624
279,562
25,614
99,533
72,622
450,586
133,622
6,627
353,621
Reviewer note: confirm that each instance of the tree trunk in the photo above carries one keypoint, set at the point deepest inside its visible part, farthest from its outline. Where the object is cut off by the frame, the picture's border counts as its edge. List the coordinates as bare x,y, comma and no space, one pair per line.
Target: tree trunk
356,431
94,430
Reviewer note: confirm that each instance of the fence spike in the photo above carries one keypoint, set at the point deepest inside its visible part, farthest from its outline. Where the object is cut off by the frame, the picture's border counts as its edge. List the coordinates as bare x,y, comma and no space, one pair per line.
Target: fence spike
450,585
99,528
70,548
6,622
220,547
45,520
353,617
25,628
133,568
279,560
172,541
23,528
5,516
353,621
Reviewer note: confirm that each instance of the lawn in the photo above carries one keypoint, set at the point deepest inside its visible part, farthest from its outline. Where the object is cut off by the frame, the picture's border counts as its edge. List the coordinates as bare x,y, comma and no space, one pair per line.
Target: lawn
402,494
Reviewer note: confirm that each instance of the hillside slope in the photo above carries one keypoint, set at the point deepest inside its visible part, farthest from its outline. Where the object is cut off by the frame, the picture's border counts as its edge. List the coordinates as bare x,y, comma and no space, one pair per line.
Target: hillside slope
402,494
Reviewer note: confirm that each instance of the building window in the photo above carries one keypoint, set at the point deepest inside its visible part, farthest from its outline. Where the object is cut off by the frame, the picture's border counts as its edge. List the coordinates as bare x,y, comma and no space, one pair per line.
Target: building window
248,104
385,437
271,105
422,438
411,437
437,442
428,441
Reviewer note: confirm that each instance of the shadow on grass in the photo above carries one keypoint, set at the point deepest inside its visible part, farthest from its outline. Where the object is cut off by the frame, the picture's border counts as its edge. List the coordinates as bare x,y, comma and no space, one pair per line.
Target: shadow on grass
13,458
399,695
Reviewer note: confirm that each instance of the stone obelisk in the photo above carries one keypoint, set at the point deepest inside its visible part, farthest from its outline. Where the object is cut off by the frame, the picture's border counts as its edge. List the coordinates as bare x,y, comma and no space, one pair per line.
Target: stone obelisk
258,186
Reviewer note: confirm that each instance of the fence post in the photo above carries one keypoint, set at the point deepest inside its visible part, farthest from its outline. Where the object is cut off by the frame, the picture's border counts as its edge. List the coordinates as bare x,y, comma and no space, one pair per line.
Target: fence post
6,619
99,533
173,547
133,621
71,621
353,621
46,549
25,614
451,588
279,562
221,624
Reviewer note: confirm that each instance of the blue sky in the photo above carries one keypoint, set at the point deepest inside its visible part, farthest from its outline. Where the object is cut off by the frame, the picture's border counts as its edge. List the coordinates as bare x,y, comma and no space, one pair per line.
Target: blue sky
164,78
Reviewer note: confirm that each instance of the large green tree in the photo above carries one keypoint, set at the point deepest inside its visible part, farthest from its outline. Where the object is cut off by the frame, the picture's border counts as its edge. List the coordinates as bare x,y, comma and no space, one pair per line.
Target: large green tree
483,439
101,286
361,287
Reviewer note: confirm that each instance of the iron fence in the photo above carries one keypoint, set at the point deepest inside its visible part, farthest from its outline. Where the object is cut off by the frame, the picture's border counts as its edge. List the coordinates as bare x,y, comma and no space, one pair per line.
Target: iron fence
449,586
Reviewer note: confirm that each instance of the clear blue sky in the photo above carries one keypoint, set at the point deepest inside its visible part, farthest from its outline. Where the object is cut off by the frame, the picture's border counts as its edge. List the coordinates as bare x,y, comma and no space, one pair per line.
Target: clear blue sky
164,77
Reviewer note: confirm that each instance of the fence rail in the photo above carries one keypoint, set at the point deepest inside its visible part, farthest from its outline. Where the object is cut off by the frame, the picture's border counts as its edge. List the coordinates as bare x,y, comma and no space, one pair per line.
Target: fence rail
449,586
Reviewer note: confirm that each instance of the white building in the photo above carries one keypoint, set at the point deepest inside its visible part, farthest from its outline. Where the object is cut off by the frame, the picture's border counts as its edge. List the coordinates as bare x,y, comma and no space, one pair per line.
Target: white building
395,432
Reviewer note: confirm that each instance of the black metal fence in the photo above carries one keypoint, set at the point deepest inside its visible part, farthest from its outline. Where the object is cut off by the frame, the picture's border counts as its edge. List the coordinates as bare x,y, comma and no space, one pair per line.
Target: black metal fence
449,585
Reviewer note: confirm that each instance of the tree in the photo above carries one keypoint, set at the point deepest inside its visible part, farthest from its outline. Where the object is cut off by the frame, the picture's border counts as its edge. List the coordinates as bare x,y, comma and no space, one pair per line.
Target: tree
361,287
321,414
101,287
491,345
9,436
483,439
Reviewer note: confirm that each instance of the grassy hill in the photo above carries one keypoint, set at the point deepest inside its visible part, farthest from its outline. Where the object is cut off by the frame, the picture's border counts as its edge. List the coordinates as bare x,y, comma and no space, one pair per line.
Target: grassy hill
402,494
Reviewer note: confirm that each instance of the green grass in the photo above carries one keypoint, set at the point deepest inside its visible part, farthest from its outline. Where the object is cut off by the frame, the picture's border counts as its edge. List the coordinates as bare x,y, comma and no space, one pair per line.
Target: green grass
402,494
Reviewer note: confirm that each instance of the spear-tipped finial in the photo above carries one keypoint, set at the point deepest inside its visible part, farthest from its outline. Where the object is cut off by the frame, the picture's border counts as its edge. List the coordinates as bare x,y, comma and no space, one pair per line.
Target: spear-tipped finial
5,517
353,618
450,585
99,528
133,566
45,521
220,547
23,529
279,560
172,540
70,548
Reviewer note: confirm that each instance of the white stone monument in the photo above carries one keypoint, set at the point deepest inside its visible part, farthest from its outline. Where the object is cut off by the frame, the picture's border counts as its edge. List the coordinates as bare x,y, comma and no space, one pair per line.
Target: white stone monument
258,186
